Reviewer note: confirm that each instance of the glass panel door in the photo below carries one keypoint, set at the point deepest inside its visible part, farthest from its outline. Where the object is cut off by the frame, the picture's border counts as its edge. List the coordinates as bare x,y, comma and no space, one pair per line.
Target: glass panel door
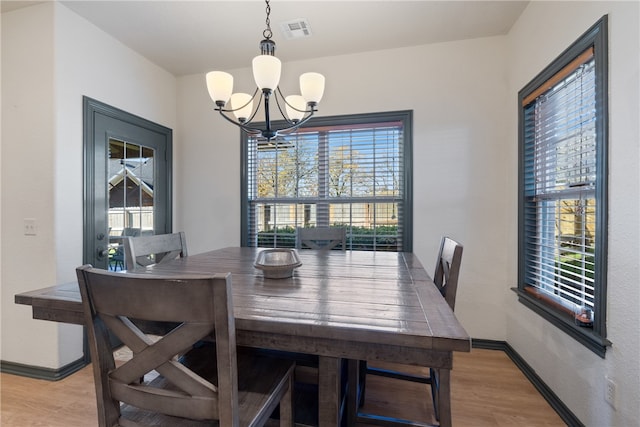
130,187
127,181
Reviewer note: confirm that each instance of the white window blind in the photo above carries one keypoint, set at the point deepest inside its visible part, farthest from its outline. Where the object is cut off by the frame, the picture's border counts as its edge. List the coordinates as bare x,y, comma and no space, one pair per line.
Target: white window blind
344,175
560,189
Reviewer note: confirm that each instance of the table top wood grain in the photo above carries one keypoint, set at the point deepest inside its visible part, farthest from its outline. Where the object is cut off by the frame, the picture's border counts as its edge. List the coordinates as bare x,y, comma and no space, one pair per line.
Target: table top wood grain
380,297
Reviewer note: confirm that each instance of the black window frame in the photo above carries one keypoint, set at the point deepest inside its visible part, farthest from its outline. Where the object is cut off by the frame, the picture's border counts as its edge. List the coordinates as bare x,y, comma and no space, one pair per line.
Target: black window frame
593,338
405,116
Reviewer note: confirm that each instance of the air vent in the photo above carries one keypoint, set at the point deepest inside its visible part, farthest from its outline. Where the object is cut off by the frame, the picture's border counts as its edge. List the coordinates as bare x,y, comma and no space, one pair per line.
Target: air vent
296,29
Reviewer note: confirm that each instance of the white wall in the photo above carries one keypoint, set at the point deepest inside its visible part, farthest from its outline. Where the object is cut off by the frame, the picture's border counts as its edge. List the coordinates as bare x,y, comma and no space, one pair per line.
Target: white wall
208,189
51,58
458,93
574,373
27,169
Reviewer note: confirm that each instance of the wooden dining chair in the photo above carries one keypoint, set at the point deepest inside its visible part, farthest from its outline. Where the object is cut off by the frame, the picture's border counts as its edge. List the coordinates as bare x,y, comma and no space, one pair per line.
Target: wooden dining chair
321,238
116,253
177,380
445,279
142,251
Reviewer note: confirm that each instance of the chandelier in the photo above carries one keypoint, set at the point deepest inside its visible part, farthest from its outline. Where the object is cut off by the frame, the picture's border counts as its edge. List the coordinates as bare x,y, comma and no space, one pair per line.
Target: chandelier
266,73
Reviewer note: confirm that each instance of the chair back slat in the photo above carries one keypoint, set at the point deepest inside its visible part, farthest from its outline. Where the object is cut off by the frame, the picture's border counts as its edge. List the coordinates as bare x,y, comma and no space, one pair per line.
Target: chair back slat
448,269
142,251
165,401
321,238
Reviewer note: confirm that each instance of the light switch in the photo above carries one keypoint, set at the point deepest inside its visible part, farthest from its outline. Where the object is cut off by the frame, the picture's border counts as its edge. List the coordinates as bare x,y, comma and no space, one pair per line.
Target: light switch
30,227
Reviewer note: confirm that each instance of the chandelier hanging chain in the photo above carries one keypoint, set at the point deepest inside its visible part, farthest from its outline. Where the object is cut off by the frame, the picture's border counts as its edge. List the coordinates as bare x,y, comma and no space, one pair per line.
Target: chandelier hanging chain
267,33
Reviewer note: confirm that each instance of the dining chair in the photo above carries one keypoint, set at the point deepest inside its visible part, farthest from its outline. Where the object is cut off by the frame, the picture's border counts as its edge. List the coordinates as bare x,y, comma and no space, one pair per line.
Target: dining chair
445,279
131,231
321,238
116,253
144,250
116,257
176,379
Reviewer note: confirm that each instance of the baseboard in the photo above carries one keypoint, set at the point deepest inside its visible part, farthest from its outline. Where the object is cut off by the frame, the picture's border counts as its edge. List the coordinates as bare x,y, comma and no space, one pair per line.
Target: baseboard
42,373
554,401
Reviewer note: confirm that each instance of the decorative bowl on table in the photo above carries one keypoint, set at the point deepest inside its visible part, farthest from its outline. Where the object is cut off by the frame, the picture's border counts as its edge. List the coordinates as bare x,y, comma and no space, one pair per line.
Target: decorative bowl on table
277,263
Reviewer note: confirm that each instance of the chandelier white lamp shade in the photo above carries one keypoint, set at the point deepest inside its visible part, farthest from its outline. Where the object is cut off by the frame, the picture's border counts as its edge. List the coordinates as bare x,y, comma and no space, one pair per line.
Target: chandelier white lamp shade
298,109
312,87
242,106
266,71
295,107
220,86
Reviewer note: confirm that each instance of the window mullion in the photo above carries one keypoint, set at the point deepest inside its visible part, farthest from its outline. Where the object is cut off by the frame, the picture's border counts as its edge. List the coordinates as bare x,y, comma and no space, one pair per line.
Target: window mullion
322,208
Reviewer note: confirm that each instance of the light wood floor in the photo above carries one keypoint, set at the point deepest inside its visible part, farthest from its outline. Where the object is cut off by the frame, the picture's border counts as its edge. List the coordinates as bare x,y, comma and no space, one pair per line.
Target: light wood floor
487,390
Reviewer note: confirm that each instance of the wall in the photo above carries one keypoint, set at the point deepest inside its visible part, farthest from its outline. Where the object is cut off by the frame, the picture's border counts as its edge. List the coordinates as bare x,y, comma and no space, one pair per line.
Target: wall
574,373
27,171
458,93
51,58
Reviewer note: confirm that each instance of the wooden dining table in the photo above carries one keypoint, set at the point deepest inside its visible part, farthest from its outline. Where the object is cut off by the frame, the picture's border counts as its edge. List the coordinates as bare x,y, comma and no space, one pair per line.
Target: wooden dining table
355,305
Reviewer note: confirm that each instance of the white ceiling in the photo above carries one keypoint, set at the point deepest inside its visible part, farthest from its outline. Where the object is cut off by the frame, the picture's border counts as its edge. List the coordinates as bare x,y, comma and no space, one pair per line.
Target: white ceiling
188,37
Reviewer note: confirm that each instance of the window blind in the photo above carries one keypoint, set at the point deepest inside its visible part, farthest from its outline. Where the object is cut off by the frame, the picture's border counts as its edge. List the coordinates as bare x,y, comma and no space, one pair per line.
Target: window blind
560,188
346,175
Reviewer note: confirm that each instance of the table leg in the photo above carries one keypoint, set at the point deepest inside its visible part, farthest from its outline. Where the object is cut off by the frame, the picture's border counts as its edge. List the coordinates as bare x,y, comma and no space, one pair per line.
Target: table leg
444,394
352,392
329,391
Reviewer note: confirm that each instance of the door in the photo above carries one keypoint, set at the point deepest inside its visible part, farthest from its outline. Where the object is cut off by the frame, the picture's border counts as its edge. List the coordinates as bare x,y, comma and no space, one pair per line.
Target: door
127,181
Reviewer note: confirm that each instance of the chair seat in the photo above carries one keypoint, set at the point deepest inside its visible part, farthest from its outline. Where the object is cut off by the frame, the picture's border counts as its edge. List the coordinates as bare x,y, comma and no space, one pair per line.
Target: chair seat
306,384
258,377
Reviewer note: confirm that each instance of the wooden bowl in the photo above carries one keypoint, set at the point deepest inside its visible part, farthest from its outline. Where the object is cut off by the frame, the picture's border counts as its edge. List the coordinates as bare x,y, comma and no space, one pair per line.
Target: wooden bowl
277,263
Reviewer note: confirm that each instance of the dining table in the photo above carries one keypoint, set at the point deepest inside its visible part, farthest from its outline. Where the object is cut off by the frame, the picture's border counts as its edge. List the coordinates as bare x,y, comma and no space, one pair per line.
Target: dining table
337,305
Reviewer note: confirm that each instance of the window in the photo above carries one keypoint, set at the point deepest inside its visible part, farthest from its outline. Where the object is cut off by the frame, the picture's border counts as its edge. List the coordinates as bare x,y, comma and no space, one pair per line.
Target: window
563,190
348,171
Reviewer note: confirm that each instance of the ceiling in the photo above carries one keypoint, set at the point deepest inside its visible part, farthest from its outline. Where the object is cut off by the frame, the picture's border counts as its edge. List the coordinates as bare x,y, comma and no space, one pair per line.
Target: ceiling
189,37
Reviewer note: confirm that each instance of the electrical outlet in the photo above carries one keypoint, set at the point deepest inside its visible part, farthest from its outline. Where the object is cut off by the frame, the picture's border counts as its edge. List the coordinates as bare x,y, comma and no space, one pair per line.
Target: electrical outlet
30,227
610,391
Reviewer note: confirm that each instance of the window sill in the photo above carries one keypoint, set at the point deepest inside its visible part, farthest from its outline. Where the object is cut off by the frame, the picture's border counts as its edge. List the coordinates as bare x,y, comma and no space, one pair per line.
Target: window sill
563,320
